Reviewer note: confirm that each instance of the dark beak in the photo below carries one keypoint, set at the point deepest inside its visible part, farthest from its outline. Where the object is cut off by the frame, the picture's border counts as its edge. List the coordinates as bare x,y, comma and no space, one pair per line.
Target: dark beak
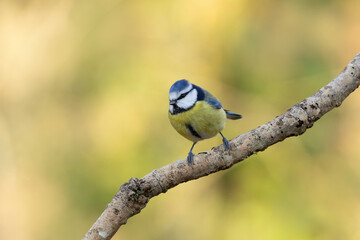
172,102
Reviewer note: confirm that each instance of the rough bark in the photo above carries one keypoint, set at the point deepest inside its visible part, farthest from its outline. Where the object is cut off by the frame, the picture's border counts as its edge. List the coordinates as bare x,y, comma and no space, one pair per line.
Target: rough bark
135,194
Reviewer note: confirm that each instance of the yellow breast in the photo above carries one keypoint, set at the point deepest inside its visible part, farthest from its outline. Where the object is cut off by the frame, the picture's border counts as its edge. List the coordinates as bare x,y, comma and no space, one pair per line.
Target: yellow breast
204,119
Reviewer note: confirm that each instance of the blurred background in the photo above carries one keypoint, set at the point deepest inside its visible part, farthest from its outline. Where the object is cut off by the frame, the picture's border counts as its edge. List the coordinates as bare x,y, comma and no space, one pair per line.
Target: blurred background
84,101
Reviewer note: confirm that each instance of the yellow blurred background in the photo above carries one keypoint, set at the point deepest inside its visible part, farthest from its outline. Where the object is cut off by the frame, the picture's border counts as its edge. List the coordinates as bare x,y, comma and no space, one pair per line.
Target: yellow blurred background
83,107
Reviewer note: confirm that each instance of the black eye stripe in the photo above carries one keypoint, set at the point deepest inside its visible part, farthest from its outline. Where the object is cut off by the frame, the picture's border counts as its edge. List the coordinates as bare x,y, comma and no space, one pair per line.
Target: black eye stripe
185,94
182,96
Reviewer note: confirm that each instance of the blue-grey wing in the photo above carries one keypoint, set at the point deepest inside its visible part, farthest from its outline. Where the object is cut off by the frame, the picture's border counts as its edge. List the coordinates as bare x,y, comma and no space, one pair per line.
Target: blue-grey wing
214,103
204,95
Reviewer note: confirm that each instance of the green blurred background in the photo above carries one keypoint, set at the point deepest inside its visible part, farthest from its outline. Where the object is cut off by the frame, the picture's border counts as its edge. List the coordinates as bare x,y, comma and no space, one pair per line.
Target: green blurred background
83,107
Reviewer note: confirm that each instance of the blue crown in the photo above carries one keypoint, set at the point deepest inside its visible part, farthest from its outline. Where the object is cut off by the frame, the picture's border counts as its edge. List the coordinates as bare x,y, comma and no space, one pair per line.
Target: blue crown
179,85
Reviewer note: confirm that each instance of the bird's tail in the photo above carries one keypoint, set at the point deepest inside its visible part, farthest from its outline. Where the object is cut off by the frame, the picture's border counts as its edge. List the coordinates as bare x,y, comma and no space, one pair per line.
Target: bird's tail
232,116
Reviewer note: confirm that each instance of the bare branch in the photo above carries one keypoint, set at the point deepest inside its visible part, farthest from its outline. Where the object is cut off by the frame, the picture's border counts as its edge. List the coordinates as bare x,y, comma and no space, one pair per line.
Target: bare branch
134,195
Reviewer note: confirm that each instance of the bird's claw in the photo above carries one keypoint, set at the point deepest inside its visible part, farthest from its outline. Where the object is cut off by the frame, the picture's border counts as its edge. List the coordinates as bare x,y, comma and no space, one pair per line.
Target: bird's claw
190,159
226,144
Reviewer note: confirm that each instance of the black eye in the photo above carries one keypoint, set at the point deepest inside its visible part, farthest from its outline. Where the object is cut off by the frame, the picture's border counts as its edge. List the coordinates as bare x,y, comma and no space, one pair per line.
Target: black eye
182,96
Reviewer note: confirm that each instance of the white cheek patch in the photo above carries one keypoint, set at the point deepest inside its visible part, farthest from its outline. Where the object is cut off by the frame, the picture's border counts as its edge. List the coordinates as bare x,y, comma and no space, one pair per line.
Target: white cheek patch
188,101
171,108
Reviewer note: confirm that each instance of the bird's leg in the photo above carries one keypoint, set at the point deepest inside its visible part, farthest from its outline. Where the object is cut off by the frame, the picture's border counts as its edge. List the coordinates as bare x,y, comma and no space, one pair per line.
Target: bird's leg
225,142
190,157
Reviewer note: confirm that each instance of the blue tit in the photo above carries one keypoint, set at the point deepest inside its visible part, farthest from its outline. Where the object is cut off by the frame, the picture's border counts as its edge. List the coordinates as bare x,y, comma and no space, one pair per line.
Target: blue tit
196,114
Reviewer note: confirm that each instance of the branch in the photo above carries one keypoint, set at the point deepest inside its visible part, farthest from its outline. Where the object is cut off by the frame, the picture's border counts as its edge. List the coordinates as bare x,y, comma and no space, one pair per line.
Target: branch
135,194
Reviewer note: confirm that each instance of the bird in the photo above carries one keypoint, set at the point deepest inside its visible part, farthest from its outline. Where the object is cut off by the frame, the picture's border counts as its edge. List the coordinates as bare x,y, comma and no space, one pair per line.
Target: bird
196,114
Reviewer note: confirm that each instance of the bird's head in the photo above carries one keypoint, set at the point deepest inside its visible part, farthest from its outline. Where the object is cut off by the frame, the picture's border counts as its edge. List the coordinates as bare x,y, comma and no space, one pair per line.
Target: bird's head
182,96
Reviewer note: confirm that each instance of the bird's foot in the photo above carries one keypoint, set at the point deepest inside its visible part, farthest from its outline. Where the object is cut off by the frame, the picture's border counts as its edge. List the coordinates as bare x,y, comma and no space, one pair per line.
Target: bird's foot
226,144
190,159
